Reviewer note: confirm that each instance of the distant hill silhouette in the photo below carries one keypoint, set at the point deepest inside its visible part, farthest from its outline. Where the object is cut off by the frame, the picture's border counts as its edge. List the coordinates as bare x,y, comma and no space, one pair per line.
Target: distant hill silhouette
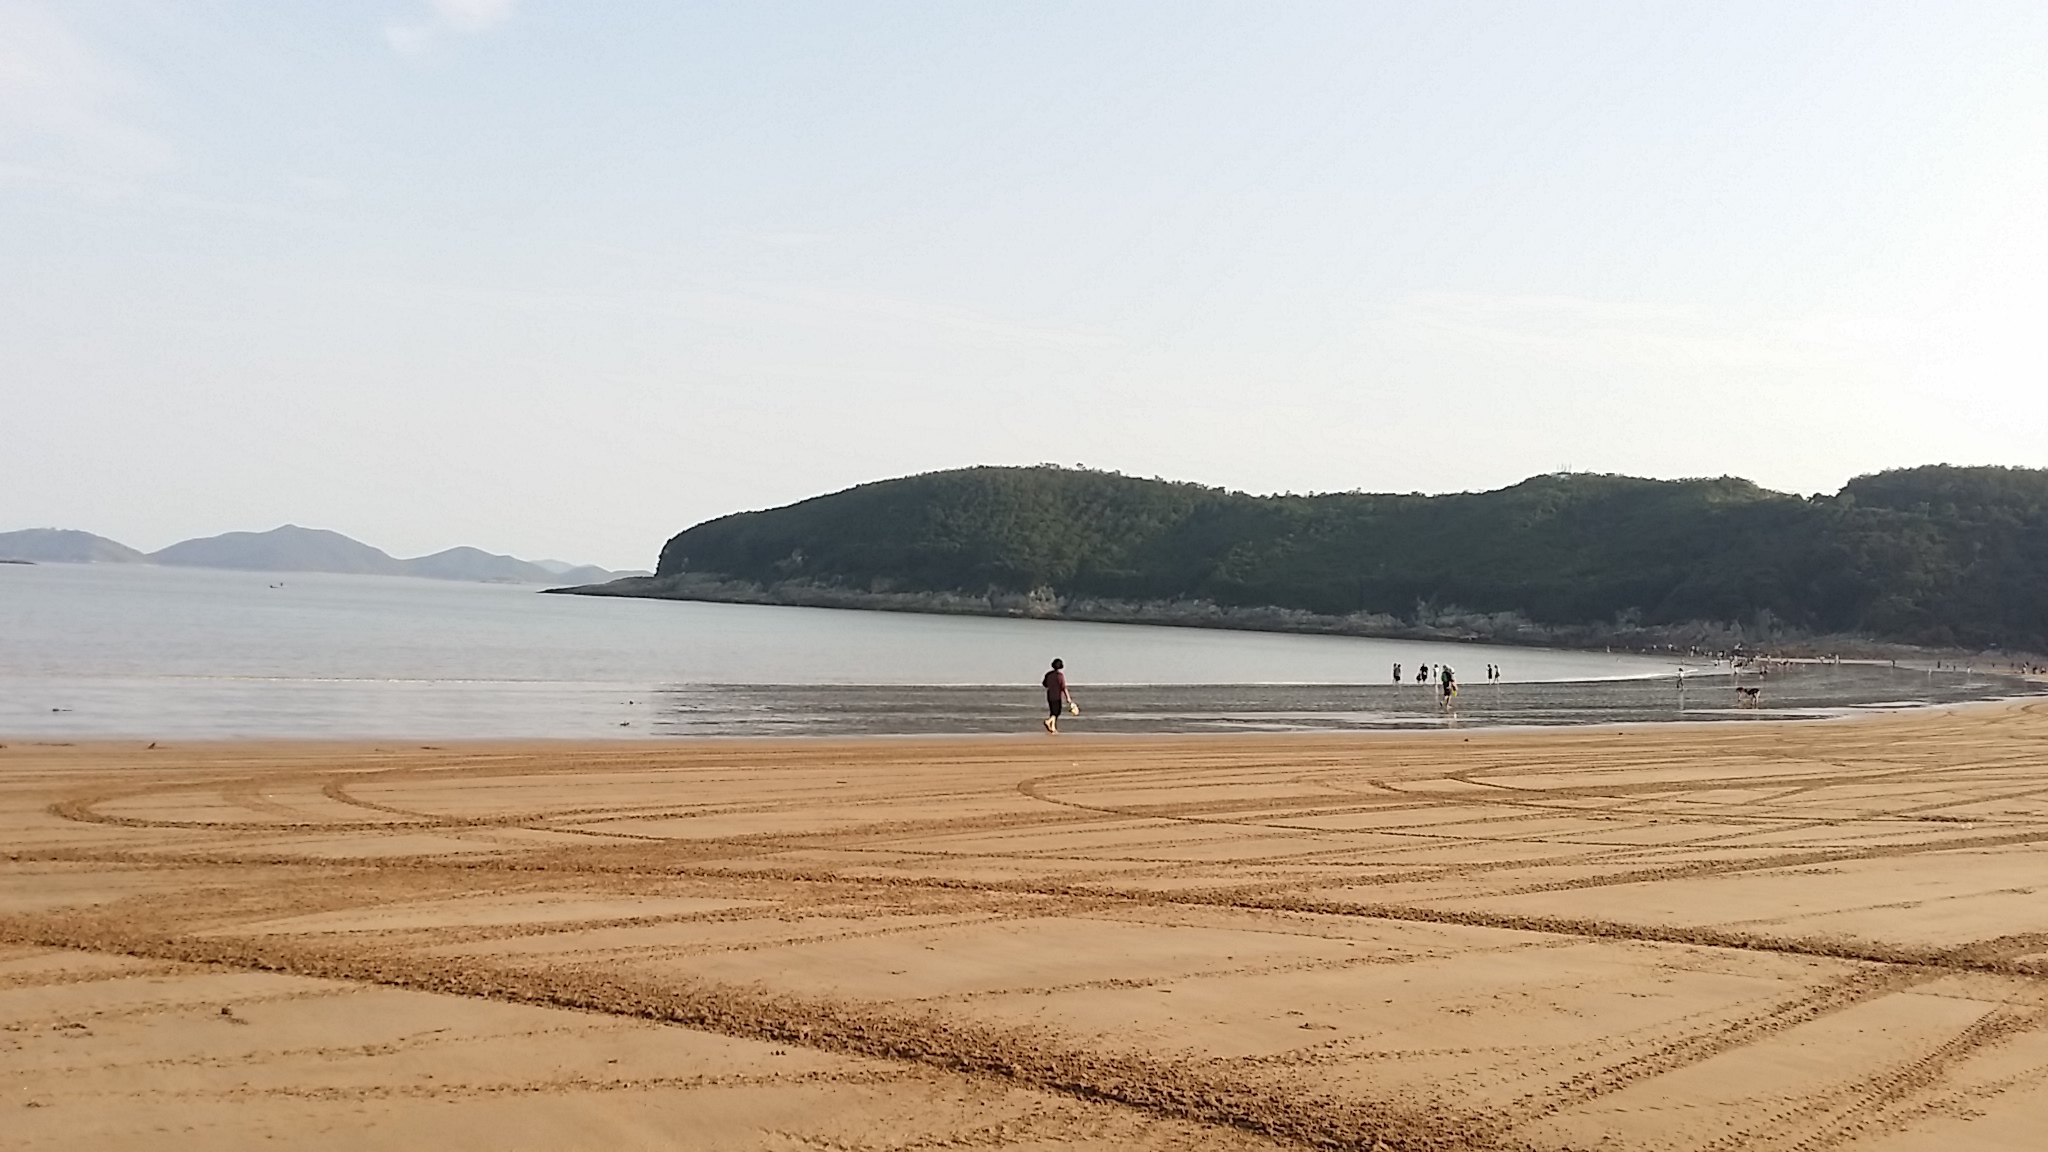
1937,555
64,546
291,548
475,564
592,574
286,549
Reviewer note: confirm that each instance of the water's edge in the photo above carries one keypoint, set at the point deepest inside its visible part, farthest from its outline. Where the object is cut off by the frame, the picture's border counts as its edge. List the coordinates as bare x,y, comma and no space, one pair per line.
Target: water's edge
1449,625
347,710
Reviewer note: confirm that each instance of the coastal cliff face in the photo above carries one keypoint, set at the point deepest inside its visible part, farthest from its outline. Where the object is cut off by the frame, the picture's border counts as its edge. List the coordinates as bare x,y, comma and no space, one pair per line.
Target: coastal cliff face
1449,625
1941,557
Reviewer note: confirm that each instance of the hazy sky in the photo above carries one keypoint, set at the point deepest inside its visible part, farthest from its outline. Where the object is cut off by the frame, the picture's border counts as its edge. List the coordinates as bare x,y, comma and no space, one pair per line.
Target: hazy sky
563,278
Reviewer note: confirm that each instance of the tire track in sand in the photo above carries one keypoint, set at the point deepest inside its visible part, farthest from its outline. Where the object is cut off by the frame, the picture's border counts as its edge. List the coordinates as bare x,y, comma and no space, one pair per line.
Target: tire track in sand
1158,1085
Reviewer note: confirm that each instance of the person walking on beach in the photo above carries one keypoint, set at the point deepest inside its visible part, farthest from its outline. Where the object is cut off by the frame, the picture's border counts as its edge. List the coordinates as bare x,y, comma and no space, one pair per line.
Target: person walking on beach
1449,683
1397,673
1057,697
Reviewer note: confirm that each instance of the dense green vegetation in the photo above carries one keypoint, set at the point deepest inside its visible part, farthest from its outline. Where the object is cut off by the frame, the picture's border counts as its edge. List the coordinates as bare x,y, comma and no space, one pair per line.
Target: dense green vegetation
1937,555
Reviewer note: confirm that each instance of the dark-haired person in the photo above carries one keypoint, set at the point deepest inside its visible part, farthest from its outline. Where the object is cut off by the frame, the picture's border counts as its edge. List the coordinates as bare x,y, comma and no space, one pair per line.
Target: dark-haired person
1056,696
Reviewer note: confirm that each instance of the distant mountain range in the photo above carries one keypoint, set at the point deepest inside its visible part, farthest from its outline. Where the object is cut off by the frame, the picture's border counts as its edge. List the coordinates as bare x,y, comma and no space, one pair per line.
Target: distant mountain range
295,549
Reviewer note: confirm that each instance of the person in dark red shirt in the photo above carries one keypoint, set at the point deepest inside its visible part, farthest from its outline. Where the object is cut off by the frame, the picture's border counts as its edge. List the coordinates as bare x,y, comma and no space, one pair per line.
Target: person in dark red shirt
1056,696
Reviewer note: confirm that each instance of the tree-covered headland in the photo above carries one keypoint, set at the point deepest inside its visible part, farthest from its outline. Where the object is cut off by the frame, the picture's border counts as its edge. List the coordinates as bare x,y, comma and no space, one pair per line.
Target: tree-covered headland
1941,556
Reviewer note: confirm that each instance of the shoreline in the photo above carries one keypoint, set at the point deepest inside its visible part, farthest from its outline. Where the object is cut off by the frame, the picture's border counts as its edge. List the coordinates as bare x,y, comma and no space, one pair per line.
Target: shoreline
429,713
1030,740
1449,626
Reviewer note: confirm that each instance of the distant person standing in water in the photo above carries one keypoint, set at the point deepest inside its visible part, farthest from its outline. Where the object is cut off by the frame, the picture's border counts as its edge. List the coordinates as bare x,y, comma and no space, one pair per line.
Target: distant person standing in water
1397,673
1056,696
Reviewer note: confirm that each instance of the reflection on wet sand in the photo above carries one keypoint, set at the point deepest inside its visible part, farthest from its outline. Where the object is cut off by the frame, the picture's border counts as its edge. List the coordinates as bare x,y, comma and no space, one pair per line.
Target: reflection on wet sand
1790,692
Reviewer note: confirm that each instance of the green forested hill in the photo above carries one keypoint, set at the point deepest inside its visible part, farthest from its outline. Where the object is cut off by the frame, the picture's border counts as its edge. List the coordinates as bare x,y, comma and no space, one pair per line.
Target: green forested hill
1936,555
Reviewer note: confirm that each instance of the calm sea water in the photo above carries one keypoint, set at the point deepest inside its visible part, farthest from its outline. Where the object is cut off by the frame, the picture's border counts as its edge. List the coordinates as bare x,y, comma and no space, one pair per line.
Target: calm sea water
135,650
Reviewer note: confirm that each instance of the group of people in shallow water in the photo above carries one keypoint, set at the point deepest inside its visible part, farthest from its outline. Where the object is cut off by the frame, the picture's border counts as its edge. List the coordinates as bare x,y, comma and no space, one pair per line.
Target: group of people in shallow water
1059,700
1446,681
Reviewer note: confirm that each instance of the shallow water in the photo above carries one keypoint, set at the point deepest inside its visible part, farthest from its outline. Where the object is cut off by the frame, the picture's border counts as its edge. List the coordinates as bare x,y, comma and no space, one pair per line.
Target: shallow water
135,650
1795,692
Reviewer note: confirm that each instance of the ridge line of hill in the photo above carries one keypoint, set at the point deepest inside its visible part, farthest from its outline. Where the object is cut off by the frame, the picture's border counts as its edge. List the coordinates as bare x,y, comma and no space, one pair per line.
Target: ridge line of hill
1939,556
290,548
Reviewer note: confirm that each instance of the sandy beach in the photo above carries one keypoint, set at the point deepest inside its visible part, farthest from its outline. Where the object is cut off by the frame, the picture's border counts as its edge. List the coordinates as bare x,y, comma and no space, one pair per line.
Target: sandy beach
1768,936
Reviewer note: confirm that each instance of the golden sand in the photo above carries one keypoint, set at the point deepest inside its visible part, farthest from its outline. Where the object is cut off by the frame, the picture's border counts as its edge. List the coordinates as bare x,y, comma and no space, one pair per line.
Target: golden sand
1712,937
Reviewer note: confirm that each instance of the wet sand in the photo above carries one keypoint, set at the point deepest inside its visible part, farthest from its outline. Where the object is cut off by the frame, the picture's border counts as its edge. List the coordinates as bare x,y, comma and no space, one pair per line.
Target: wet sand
1802,691
1765,936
